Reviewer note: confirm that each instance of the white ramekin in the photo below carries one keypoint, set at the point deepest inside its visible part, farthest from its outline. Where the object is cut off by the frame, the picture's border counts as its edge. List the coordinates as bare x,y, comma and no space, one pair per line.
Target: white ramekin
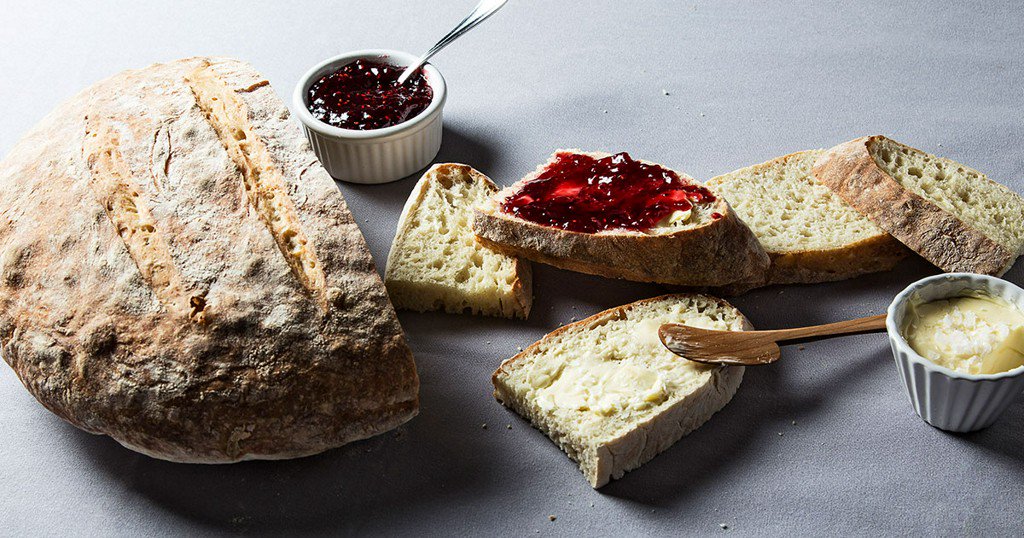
378,155
944,398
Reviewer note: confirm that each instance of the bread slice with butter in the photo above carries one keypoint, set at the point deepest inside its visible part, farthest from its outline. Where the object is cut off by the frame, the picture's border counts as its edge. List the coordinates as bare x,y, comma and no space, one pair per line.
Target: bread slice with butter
953,216
809,232
607,391
706,246
436,263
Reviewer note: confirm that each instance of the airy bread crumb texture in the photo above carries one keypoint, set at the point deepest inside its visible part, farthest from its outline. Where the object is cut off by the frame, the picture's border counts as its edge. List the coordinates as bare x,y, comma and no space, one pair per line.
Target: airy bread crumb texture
788,210
981,203
608,392
436,263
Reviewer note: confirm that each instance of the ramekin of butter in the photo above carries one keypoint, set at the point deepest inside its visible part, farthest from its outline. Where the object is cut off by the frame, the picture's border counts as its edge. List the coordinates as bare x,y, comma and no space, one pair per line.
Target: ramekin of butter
958,341
363,126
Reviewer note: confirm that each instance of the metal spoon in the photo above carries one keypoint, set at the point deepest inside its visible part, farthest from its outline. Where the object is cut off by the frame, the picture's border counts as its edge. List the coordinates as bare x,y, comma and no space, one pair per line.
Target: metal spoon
484,9
751,348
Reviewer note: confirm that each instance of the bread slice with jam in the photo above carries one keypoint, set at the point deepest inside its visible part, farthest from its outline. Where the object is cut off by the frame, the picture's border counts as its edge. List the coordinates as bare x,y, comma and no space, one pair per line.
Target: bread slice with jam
953,216
609,394
617,217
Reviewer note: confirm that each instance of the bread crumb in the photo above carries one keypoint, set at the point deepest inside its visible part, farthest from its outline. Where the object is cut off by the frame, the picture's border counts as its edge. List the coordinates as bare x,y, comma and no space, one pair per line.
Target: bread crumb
794,423
605,111
509,426
723,525
664,91
484,425
488,342
702,114
780,434
552,517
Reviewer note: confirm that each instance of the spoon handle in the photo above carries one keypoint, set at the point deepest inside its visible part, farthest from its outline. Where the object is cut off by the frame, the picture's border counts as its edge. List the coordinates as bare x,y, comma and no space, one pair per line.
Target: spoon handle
871,324
484,9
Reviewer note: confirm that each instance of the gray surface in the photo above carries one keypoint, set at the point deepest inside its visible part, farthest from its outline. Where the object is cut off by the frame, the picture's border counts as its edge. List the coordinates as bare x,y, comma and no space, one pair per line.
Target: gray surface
747,82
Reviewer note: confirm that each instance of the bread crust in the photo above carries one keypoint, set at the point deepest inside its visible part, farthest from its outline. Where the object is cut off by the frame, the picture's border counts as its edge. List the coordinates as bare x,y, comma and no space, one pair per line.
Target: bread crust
940,237
144,295
716,253
522,287
871,255
650,437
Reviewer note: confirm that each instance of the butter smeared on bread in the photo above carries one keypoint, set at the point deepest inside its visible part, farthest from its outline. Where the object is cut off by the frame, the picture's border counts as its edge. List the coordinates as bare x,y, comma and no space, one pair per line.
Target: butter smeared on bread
608,392
809,232
437,263
711,247
953,216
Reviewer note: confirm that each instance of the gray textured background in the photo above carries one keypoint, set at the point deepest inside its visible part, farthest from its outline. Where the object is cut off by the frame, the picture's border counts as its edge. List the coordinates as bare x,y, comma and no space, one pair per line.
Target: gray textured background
747,82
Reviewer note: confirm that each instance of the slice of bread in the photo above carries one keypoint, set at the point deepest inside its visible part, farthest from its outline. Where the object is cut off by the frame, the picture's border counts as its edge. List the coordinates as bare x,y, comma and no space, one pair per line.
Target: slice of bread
953,216
608,392
436,263
712,247
809,232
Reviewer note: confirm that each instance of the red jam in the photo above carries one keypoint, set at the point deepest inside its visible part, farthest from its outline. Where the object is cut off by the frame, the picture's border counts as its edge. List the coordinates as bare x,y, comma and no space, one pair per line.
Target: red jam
583,194
365,95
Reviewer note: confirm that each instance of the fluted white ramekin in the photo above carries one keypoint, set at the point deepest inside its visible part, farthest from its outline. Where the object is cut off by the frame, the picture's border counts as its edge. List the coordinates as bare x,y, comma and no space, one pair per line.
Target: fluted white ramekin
945,398
377,155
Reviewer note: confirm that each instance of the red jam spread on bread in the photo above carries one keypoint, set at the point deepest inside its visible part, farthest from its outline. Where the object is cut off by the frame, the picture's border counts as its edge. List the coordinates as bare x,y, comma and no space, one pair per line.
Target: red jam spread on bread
581,193
365,95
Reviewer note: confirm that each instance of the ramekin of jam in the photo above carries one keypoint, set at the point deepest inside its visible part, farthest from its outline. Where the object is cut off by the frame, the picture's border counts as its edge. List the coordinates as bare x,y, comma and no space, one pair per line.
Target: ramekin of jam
363,126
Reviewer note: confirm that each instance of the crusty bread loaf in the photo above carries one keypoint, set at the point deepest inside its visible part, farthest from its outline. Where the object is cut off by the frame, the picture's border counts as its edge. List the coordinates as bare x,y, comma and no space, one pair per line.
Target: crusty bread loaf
177,271
712,248
436,263
953,216
608,392
809,232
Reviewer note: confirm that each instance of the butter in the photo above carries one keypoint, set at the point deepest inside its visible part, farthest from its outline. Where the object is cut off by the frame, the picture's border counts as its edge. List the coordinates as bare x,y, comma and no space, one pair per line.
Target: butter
1006,356
976,334
674,219
599,383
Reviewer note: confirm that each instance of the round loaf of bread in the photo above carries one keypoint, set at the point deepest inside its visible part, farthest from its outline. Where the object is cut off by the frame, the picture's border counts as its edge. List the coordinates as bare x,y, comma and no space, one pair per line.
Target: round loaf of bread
177,271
